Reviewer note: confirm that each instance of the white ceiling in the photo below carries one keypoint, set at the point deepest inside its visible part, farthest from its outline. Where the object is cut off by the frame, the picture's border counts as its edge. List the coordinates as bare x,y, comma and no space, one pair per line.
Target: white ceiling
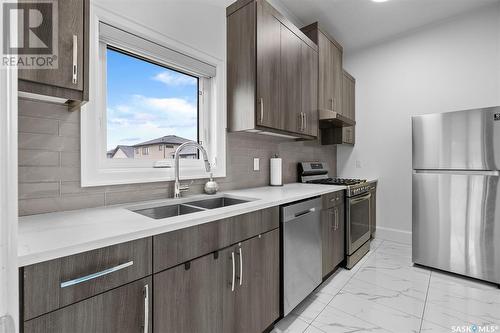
361,23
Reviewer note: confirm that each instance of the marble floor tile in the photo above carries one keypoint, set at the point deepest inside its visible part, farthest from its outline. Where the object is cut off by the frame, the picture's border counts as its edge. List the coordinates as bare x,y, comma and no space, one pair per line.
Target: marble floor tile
428,327
312,329
290,324
375,243
387,318
394,299
411,285
385,292
479,302
332,320
312,306
336,281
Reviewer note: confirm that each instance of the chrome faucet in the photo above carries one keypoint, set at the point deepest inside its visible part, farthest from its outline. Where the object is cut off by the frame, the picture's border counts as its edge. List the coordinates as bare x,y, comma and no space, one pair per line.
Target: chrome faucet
178,186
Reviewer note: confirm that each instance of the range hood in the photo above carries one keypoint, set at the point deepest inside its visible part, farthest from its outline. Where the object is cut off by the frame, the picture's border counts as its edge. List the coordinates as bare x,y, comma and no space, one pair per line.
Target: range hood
329,118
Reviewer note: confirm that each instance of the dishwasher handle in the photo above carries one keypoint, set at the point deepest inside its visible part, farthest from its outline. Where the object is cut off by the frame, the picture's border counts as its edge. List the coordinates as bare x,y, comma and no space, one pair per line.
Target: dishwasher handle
300,209
312,210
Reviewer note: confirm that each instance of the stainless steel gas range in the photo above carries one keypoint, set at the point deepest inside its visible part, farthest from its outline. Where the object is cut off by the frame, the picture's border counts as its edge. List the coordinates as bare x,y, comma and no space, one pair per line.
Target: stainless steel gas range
357,207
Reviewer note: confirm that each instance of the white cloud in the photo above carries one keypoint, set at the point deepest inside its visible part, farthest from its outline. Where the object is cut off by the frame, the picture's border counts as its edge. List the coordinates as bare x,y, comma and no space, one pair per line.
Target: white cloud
146,118
175,79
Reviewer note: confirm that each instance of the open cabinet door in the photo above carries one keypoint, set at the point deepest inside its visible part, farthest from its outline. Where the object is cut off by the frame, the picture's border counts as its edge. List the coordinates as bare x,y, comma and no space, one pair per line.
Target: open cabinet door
9,313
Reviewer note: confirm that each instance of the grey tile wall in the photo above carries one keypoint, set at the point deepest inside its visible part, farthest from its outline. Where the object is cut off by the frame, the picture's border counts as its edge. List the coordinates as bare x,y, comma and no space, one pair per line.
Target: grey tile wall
49,163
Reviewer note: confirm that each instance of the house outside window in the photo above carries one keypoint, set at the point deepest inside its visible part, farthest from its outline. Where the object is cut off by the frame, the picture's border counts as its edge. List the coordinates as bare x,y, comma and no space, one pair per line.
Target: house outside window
171,94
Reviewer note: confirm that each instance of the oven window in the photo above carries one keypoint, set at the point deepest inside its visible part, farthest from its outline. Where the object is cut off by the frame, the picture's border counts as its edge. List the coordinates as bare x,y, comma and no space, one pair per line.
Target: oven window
360,218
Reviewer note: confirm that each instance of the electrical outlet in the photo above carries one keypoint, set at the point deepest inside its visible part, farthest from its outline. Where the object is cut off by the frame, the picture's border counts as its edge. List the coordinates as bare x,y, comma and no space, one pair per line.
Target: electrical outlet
256,164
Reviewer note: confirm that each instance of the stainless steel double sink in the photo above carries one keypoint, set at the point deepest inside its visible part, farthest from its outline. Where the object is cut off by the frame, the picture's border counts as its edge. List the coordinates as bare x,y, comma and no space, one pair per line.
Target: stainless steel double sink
198,205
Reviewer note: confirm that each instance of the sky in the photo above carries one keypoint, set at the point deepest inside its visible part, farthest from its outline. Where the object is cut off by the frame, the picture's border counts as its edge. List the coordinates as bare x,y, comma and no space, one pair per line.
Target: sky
146,101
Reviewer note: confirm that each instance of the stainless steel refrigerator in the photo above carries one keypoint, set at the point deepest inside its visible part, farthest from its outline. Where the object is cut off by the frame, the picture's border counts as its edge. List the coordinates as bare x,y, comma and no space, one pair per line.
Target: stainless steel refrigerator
456,192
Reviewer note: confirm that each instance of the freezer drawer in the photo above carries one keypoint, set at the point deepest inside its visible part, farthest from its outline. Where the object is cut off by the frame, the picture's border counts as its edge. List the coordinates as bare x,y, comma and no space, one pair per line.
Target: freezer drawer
463,140
456,223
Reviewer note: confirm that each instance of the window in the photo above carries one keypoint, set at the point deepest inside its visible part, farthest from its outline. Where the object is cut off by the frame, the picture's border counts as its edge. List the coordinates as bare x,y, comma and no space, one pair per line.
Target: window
146,89
151,103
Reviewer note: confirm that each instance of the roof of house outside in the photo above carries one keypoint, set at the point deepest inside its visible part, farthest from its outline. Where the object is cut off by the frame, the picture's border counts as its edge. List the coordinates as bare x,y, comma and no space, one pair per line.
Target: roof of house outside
168,139
127,150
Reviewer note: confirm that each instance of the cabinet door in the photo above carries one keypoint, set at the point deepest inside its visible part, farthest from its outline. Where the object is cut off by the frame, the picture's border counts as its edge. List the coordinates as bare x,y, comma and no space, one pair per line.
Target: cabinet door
325,74
125,309
327,225
333,238
310,90
70,24
339,236
291,80
268,68
188,297
336,54
348,107
254,305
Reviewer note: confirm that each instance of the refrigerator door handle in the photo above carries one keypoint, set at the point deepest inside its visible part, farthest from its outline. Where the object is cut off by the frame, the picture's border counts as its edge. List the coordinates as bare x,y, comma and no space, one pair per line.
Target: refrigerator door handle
461,172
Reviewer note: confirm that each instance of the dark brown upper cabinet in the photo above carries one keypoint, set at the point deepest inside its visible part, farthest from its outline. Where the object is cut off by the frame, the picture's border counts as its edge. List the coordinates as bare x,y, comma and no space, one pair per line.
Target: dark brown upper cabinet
69,81
270,67
330,68
348,106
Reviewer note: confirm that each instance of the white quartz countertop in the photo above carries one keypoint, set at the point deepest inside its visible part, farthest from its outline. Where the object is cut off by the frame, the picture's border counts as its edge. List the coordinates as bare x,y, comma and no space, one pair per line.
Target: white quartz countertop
49,236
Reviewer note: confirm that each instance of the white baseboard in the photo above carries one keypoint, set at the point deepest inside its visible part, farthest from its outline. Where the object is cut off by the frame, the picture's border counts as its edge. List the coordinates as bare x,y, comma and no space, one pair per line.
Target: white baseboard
394,235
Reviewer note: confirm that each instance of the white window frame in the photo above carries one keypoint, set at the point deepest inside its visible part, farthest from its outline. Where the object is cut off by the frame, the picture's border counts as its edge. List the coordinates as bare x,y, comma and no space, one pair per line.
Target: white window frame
96,168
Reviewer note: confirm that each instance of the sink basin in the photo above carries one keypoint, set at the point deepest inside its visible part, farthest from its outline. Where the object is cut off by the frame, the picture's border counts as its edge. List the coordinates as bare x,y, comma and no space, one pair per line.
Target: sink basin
162,212
217,202
167,211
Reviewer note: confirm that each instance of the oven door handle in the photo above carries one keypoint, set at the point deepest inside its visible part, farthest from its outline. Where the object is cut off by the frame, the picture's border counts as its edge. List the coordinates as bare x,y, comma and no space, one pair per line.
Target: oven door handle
353,201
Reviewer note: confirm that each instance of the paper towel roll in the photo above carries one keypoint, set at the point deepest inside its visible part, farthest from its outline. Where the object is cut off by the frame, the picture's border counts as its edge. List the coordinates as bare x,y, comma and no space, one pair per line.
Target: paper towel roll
276,172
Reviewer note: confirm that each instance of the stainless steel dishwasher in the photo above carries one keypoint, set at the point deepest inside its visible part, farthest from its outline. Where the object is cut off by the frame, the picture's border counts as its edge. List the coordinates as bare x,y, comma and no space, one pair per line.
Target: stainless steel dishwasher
301,232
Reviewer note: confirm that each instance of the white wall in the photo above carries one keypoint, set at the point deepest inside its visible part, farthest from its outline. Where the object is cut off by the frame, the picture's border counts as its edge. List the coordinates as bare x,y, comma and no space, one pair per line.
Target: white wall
451,66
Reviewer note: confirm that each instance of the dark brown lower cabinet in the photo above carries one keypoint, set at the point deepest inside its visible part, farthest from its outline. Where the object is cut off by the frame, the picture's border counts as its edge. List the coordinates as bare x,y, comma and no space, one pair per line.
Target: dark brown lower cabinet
333,237
188,297
232,290
254,304
124,309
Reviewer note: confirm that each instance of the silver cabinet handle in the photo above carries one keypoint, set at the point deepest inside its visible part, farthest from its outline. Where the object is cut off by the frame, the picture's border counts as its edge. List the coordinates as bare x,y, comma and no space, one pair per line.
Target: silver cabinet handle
234,274
305,121
261,110
336,218
146,308
301,128
240,253
334,104
96,275
75,59
331,102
